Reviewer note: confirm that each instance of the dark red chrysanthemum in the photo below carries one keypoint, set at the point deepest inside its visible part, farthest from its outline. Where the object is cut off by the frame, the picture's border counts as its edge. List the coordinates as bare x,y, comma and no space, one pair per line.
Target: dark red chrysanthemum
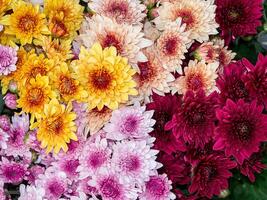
177,169
230,83
210,175
238,17
194,120
241,129
192,153
164,107
256,79
251,166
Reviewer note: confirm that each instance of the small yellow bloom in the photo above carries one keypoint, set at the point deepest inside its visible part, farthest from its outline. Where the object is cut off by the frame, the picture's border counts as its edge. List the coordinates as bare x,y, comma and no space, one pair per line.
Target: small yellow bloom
56,127
105,76
26,22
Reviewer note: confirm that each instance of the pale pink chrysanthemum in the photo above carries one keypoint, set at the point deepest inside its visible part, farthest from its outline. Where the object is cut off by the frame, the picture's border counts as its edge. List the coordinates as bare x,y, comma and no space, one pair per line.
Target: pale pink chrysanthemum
198,75
11,172
198,15
31,192
8,60
152,76
111,186
157,188
5,123
3,139
128,40
68,166
134,161
54,183
131,12
130,122
94,156
172,45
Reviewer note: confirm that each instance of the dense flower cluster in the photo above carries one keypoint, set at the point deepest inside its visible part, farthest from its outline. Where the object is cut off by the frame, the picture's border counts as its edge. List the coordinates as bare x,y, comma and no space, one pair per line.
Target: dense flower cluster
128,99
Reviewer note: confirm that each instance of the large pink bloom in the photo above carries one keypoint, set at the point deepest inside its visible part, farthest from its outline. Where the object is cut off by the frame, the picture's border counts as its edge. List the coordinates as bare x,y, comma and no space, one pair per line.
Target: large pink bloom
242,127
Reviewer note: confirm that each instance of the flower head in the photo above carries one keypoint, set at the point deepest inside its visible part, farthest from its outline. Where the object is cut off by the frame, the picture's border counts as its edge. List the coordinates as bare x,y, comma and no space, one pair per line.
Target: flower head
8,60
106,77
10,100
5,122
30,192
242,127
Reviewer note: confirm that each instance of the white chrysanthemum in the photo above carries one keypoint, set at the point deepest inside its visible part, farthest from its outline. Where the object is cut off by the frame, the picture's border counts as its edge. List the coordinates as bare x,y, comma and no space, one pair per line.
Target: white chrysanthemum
130,122
94,156
135,161
31,193
172,45
128,40
152,76
131,12
198,75
198,15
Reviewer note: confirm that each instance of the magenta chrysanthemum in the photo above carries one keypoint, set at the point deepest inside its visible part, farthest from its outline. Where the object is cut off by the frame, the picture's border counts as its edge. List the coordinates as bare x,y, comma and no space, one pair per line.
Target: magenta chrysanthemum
8,60
242,127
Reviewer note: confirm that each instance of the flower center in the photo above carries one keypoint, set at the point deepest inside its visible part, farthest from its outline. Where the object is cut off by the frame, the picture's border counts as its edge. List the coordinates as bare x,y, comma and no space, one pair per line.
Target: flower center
194,82
5,59
146,71
155,186
100,79
96,159
27,23
238,90
118,10
170,46
67,85
14,173
35,96
207,172
234,14
187,16
37,70
59,29
130,163
130,124
56,188
242,130
70,166
56,126
162,118
110,188
195,115
111,40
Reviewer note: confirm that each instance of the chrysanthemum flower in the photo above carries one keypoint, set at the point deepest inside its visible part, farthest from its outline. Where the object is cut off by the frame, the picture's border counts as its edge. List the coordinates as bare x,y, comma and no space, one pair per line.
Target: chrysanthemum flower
242,127
3,139
152,76
256,80
111,187
63,81
210,175
65,17
198,15
238,18
26,22
8,60
131,12
31,192
134,160
68,165
11,172
128,40
194,119
53,182
56,127
4,6
94,156
106,77
157,188
5,123
130,122
198,75
231,84
172,45
164,107
35,95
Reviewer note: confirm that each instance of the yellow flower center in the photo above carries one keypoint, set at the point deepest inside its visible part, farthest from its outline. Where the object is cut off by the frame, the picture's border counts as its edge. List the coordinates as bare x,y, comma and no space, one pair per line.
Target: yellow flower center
100,79
55,126
27,23
35,96
67,85
59,29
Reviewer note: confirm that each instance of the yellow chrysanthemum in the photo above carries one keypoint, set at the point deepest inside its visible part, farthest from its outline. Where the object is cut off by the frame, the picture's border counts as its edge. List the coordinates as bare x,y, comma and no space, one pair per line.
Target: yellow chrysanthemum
4,6
65,17
56,127
26,22
64,83
57,49
106,77
35,95
34,65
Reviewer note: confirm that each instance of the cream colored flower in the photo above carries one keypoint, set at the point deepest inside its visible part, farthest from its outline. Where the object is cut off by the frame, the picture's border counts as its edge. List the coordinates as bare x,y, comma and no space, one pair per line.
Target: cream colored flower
198,75
198,15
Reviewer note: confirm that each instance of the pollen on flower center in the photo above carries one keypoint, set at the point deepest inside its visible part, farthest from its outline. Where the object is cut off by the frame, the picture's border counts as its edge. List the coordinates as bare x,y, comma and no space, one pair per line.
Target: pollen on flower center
56,126
27,23
67,85
36,96
242,129
170,46
187,17
100,79
118,9
234,14
59,29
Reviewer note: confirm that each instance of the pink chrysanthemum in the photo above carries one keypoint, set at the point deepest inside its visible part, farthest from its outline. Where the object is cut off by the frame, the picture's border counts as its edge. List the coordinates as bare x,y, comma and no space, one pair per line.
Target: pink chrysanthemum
3,139
8,60
31,193
54,183
210,175
172,45
194,119
238,18
33,173
242,127
111,187
94,156
68,166
130,122
157,188
135,161
11,172
5,123
131,12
